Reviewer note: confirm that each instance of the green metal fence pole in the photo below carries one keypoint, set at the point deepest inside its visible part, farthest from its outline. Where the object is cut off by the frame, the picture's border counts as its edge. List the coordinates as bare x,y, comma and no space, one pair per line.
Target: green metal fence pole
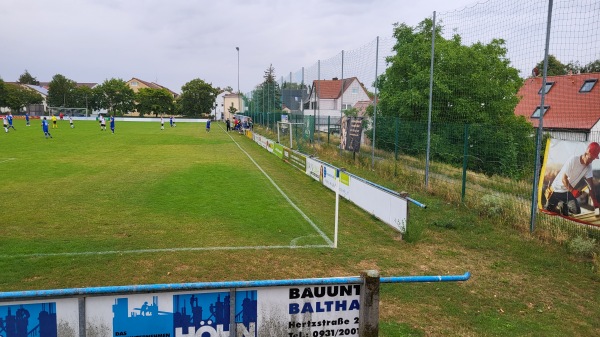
465,161
396,126
328,127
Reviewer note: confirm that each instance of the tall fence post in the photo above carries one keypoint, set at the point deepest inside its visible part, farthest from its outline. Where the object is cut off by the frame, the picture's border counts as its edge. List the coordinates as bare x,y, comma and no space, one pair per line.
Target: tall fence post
540,129
430,102
396,145
465,162
374,105
328,127
368,319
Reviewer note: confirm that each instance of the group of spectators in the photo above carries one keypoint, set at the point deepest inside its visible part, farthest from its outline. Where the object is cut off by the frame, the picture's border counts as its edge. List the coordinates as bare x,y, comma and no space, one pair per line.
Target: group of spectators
238,125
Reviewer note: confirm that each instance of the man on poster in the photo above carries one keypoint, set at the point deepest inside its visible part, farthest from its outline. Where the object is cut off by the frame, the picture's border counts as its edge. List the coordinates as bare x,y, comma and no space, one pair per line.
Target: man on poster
561,196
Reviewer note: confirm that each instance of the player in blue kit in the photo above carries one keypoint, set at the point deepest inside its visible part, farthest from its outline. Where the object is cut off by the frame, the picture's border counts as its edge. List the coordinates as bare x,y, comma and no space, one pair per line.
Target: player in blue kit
45,128
27,119
112,123
208,125
10,121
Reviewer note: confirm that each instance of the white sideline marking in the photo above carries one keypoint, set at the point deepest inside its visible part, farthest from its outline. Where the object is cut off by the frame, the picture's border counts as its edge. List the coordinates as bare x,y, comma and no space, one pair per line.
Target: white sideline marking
7,159
158,250
283,193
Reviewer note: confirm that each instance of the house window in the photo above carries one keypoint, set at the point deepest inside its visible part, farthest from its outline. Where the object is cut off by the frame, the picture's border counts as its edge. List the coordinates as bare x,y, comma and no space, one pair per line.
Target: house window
355,90
346,106
536,113
588,85
548,87
134,83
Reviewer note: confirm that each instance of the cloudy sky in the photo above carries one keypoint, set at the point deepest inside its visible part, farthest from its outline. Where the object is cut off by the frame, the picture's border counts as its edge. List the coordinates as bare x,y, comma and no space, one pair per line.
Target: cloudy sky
172,42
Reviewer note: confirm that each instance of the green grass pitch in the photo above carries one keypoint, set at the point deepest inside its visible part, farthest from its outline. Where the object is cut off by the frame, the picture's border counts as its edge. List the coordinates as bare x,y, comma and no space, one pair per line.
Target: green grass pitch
87,191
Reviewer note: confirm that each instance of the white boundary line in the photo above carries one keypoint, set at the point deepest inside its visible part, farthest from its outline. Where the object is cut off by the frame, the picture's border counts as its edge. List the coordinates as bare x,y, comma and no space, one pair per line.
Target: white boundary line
194,249
283,193
159,250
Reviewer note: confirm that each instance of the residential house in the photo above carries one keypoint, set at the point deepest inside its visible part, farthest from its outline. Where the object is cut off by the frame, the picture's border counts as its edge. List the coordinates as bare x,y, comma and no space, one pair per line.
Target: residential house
32,109
136,84
571,105
329,97
232,100
37,109
292,99
219,112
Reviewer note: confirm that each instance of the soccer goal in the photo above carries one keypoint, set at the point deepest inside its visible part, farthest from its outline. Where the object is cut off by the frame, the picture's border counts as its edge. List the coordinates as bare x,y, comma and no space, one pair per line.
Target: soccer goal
289,132
75,112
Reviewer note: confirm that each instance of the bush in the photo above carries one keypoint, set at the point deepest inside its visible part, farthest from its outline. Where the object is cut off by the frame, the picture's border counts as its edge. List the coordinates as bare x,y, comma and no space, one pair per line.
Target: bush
582,246
492,205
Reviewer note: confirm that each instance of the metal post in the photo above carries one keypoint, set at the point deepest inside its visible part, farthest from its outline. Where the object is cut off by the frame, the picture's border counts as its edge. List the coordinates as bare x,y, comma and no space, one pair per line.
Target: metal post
337,207
430,102
341,105
238,79
318,110
465,162
368,317
396,145
232,323
540,131
375,105
82,324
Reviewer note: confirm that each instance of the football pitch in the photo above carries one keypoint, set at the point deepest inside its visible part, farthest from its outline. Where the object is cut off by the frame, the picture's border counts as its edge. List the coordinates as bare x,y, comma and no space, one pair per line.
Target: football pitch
143,190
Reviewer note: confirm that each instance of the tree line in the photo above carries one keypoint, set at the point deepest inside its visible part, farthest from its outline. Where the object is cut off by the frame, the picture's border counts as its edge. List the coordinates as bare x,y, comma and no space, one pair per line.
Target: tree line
197,99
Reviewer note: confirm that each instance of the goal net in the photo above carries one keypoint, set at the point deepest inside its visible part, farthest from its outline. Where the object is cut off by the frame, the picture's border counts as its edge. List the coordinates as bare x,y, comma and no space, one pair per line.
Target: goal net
75,112
290,134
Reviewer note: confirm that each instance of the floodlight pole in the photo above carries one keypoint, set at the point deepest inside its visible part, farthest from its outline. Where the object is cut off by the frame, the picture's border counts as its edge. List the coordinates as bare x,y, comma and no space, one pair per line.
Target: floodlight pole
238,79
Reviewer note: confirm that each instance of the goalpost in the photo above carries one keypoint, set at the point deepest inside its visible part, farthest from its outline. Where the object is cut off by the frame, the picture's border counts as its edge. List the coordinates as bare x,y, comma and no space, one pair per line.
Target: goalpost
77,112
286,129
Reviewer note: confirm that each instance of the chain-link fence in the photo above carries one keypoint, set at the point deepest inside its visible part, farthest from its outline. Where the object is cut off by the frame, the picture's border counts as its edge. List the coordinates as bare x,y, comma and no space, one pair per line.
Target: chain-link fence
449,94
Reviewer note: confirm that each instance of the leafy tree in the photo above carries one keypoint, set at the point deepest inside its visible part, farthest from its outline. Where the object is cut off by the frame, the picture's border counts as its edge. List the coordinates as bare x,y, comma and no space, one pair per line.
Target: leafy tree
267,95
228,88
576,68
60,91
115,96
293,85
17,97
197,98
2,93
232,109
352,112
154,101
26,78
473,84
83,97
555,67
592,67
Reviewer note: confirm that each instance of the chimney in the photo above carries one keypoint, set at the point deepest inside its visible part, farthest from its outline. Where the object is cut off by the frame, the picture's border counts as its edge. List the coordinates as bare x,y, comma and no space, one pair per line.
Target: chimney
334,79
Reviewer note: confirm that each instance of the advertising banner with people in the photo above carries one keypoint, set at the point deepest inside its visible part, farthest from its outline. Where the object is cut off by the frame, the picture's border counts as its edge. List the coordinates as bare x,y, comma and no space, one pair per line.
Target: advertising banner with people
351,133
569,181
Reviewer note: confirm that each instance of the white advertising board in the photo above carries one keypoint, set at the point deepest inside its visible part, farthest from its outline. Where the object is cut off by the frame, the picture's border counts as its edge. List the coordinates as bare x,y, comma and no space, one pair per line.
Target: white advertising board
296,311
387,207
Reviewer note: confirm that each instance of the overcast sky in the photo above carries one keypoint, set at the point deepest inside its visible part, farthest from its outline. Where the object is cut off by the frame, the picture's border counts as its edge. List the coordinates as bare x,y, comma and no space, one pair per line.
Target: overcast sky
172,42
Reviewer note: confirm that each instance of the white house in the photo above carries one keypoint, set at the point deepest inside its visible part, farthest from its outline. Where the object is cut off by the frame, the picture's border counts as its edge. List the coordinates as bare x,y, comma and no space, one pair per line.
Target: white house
329,97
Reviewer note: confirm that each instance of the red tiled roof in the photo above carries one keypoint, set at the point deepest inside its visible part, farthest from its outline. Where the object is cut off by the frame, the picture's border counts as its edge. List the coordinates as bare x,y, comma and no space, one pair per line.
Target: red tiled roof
568,108
331,89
